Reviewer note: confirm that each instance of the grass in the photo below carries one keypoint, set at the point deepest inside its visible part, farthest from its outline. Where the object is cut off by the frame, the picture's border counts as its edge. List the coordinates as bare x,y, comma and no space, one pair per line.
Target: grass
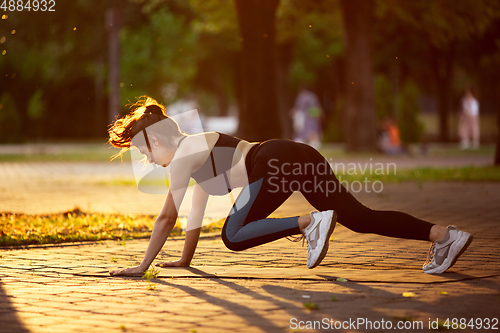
76,226
151,273
311,305
434,150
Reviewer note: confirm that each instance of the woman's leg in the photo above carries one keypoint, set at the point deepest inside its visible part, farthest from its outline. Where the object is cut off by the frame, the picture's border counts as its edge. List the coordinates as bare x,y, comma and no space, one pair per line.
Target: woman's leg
248,226
354,215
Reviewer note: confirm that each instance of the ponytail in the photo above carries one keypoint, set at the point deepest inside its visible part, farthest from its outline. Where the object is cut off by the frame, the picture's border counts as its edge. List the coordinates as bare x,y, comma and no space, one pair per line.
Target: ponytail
145,112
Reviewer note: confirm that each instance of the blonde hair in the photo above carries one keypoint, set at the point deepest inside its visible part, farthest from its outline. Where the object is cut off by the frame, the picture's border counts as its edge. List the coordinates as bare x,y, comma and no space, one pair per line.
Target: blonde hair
144,113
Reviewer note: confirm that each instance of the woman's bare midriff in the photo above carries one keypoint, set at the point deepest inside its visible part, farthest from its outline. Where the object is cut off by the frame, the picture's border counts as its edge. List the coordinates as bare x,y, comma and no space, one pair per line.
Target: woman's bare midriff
238,174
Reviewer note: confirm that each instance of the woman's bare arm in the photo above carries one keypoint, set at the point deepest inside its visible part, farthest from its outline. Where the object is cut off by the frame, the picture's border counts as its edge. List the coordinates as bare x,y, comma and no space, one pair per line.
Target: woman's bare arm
195,219
165,221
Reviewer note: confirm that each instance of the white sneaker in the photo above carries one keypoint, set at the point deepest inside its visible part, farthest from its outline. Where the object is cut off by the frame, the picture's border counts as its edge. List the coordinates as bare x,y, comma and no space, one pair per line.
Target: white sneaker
317,234
444,253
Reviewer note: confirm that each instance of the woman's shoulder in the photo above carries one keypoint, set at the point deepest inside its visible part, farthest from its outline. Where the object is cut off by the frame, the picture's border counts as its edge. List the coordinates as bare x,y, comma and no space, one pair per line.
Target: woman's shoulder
196,147
201,141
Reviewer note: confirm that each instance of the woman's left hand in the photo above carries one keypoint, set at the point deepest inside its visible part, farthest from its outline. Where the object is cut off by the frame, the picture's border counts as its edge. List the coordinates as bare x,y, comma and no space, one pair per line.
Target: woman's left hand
131,271
177,263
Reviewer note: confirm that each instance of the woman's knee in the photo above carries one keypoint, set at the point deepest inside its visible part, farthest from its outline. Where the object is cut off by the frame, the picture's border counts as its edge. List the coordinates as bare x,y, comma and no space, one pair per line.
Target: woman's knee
233,246
227,240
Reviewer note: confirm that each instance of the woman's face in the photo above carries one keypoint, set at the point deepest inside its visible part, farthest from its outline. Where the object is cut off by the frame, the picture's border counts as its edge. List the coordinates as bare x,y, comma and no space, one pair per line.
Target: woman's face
159,154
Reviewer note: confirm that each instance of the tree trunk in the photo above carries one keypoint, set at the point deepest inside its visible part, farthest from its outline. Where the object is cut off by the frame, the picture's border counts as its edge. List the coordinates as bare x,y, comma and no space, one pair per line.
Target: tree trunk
113,24
259,113
285,96
99,82
443,108
497,152
442,62
360,119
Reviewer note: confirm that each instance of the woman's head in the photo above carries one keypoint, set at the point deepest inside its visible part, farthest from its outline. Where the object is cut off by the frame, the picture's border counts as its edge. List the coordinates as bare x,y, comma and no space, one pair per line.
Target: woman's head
146,127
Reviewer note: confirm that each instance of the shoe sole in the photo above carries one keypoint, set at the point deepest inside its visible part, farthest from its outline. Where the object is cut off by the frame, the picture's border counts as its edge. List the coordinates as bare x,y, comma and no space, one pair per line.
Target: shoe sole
333,223
445,266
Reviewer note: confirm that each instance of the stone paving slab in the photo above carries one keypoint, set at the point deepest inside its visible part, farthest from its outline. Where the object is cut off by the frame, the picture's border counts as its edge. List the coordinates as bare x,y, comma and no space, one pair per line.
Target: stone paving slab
45,289
42,289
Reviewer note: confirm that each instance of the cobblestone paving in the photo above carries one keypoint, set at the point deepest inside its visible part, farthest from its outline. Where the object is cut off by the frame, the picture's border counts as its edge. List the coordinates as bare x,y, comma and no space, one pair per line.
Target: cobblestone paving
63,289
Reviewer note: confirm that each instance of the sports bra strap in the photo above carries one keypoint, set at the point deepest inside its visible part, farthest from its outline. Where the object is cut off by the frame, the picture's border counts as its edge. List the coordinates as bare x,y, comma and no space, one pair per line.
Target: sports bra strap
179,143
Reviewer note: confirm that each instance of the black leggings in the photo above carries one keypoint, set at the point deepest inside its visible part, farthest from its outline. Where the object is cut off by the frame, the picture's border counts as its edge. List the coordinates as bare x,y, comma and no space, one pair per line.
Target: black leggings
276,169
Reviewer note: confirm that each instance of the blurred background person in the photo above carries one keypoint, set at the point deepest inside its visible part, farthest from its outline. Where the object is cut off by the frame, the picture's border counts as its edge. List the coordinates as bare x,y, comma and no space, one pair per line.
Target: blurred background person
306,115
390,140
469,120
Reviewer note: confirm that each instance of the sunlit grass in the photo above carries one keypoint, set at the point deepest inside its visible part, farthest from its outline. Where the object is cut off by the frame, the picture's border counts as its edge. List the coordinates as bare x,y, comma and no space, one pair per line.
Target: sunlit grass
75,226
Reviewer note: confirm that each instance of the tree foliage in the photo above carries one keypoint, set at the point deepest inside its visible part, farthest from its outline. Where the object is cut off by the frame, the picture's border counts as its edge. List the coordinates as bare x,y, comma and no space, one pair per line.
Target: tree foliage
427,50
314,28
53,74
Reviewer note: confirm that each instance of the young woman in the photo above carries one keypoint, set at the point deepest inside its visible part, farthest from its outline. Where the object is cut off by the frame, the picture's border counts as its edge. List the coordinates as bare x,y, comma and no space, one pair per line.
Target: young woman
269,173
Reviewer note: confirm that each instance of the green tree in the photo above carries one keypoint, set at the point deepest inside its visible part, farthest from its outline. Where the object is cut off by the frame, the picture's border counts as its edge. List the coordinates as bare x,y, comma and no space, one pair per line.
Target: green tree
36,111
218,47
56,52
191,45
154,55
310,51
10,122
425,35
384,97
410,127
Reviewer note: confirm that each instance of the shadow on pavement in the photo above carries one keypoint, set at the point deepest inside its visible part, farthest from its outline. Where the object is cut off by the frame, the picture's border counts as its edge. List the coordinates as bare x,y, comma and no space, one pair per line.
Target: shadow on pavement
244,312
365,301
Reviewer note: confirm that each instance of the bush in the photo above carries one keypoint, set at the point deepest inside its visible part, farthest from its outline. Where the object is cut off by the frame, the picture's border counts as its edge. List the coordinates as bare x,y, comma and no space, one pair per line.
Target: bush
10,120
384,97
410,127
334,129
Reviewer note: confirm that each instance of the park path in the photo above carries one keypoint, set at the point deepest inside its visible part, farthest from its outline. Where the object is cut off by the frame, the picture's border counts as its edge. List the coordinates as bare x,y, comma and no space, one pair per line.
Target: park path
66,288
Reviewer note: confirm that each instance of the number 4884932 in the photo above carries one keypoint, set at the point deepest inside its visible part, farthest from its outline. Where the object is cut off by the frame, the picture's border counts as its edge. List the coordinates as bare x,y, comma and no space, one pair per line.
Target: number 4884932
29,5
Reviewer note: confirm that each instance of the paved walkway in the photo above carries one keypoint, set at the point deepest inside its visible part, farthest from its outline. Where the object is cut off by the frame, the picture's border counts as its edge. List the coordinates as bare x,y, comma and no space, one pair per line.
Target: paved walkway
66,288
